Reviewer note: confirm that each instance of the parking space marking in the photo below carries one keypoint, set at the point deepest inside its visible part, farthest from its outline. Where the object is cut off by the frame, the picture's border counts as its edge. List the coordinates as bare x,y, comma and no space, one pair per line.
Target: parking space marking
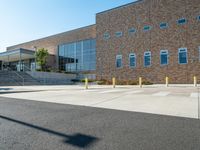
92,90
111,91
134,92
194,95
161,94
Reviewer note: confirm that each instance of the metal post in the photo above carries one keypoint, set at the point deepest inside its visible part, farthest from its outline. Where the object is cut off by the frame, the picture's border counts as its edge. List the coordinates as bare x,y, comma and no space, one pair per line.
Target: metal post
167,81
140,82
198,103
114,82
35,49
7,67
86,83
2,65
20,61
195,81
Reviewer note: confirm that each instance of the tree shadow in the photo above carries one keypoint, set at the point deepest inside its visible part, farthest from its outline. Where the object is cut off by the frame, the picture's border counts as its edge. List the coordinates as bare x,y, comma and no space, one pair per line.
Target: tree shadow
77,139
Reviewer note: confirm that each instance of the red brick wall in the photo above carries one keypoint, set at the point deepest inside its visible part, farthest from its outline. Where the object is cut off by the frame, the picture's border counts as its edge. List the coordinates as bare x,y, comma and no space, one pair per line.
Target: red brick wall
150,12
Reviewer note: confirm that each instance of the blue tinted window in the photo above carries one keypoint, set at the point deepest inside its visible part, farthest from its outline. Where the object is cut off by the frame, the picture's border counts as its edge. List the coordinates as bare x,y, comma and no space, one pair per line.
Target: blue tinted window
147,59
181,21
147,28
119,61
132,30
106,36
118,34
132,60
163,25
182,56
198,18
78,56
164,57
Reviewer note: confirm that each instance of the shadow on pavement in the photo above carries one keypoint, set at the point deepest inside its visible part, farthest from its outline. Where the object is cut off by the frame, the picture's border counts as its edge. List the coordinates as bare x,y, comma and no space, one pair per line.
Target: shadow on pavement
5,89
12,92
78,139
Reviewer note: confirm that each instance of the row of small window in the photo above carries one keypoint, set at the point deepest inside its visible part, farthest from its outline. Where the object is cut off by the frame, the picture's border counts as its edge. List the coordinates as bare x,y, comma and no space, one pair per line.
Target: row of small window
163,25
164,58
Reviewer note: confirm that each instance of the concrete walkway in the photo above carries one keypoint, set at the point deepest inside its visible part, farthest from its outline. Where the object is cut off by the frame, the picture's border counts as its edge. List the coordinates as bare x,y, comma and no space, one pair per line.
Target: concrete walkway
177,100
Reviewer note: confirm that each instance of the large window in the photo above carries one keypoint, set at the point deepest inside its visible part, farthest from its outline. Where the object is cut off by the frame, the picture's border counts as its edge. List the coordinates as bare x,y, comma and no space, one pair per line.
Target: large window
182,56
147,58
132,60
77,56
119,61
164,57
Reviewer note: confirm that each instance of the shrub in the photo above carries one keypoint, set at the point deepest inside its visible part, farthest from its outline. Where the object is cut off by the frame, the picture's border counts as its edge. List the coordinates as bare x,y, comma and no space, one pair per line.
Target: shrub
75,80
123,82
89,80
145,82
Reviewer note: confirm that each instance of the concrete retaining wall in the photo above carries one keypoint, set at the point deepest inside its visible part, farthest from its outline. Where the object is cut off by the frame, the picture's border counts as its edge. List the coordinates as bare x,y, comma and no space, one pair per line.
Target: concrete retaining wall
50,78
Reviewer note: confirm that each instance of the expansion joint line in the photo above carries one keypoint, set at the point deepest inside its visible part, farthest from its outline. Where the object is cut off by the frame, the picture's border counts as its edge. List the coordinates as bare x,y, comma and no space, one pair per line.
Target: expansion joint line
108,100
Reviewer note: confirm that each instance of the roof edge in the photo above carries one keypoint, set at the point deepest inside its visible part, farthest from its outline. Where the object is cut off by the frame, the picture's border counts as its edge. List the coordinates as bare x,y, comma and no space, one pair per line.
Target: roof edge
52,35
131,3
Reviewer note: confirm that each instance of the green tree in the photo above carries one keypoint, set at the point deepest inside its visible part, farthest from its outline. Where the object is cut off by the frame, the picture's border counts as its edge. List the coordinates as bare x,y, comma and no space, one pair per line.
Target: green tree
41,57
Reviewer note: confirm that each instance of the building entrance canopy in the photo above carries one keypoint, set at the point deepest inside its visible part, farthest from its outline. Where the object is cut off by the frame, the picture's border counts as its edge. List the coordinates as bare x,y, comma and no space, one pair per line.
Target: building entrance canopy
17,55
19,60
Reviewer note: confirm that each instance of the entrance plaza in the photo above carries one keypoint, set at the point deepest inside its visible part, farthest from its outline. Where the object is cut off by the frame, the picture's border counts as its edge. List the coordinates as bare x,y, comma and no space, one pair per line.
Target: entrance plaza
175,100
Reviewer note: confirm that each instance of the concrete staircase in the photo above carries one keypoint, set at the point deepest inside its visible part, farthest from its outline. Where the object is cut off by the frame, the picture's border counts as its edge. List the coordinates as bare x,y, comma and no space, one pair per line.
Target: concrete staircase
13,78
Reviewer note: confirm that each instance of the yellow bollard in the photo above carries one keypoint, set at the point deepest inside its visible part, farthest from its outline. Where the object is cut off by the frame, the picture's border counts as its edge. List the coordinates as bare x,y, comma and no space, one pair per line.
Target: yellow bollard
167,81
86,83
140,82
195,81
114,82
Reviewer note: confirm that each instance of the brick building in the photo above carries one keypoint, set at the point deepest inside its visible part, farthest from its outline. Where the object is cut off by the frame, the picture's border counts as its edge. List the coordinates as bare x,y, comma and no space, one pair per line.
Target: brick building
148,38
152,39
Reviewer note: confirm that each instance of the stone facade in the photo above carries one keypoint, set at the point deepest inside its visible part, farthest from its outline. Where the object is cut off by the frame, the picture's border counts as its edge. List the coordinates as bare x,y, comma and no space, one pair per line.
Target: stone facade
137,15
51,43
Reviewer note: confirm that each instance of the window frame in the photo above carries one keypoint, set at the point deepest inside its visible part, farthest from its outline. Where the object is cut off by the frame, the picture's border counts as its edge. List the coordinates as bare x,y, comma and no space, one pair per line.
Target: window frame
161,53
178,21
134,55
179,56
119,56
147,52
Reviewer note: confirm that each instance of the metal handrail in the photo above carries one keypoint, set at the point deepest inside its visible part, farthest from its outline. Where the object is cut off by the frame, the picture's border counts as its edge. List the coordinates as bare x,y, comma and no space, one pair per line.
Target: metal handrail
17,75
20,77
27,68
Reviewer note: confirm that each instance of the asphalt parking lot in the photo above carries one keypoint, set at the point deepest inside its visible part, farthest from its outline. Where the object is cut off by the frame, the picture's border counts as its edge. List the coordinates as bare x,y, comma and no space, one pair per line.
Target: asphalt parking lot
37,125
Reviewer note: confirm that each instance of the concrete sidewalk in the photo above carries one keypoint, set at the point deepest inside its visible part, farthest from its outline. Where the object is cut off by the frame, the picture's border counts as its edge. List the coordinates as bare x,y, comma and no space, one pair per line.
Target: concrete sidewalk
179,100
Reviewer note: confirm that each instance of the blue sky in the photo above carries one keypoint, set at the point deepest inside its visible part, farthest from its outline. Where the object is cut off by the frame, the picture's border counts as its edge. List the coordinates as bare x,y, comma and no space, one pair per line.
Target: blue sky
26,20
